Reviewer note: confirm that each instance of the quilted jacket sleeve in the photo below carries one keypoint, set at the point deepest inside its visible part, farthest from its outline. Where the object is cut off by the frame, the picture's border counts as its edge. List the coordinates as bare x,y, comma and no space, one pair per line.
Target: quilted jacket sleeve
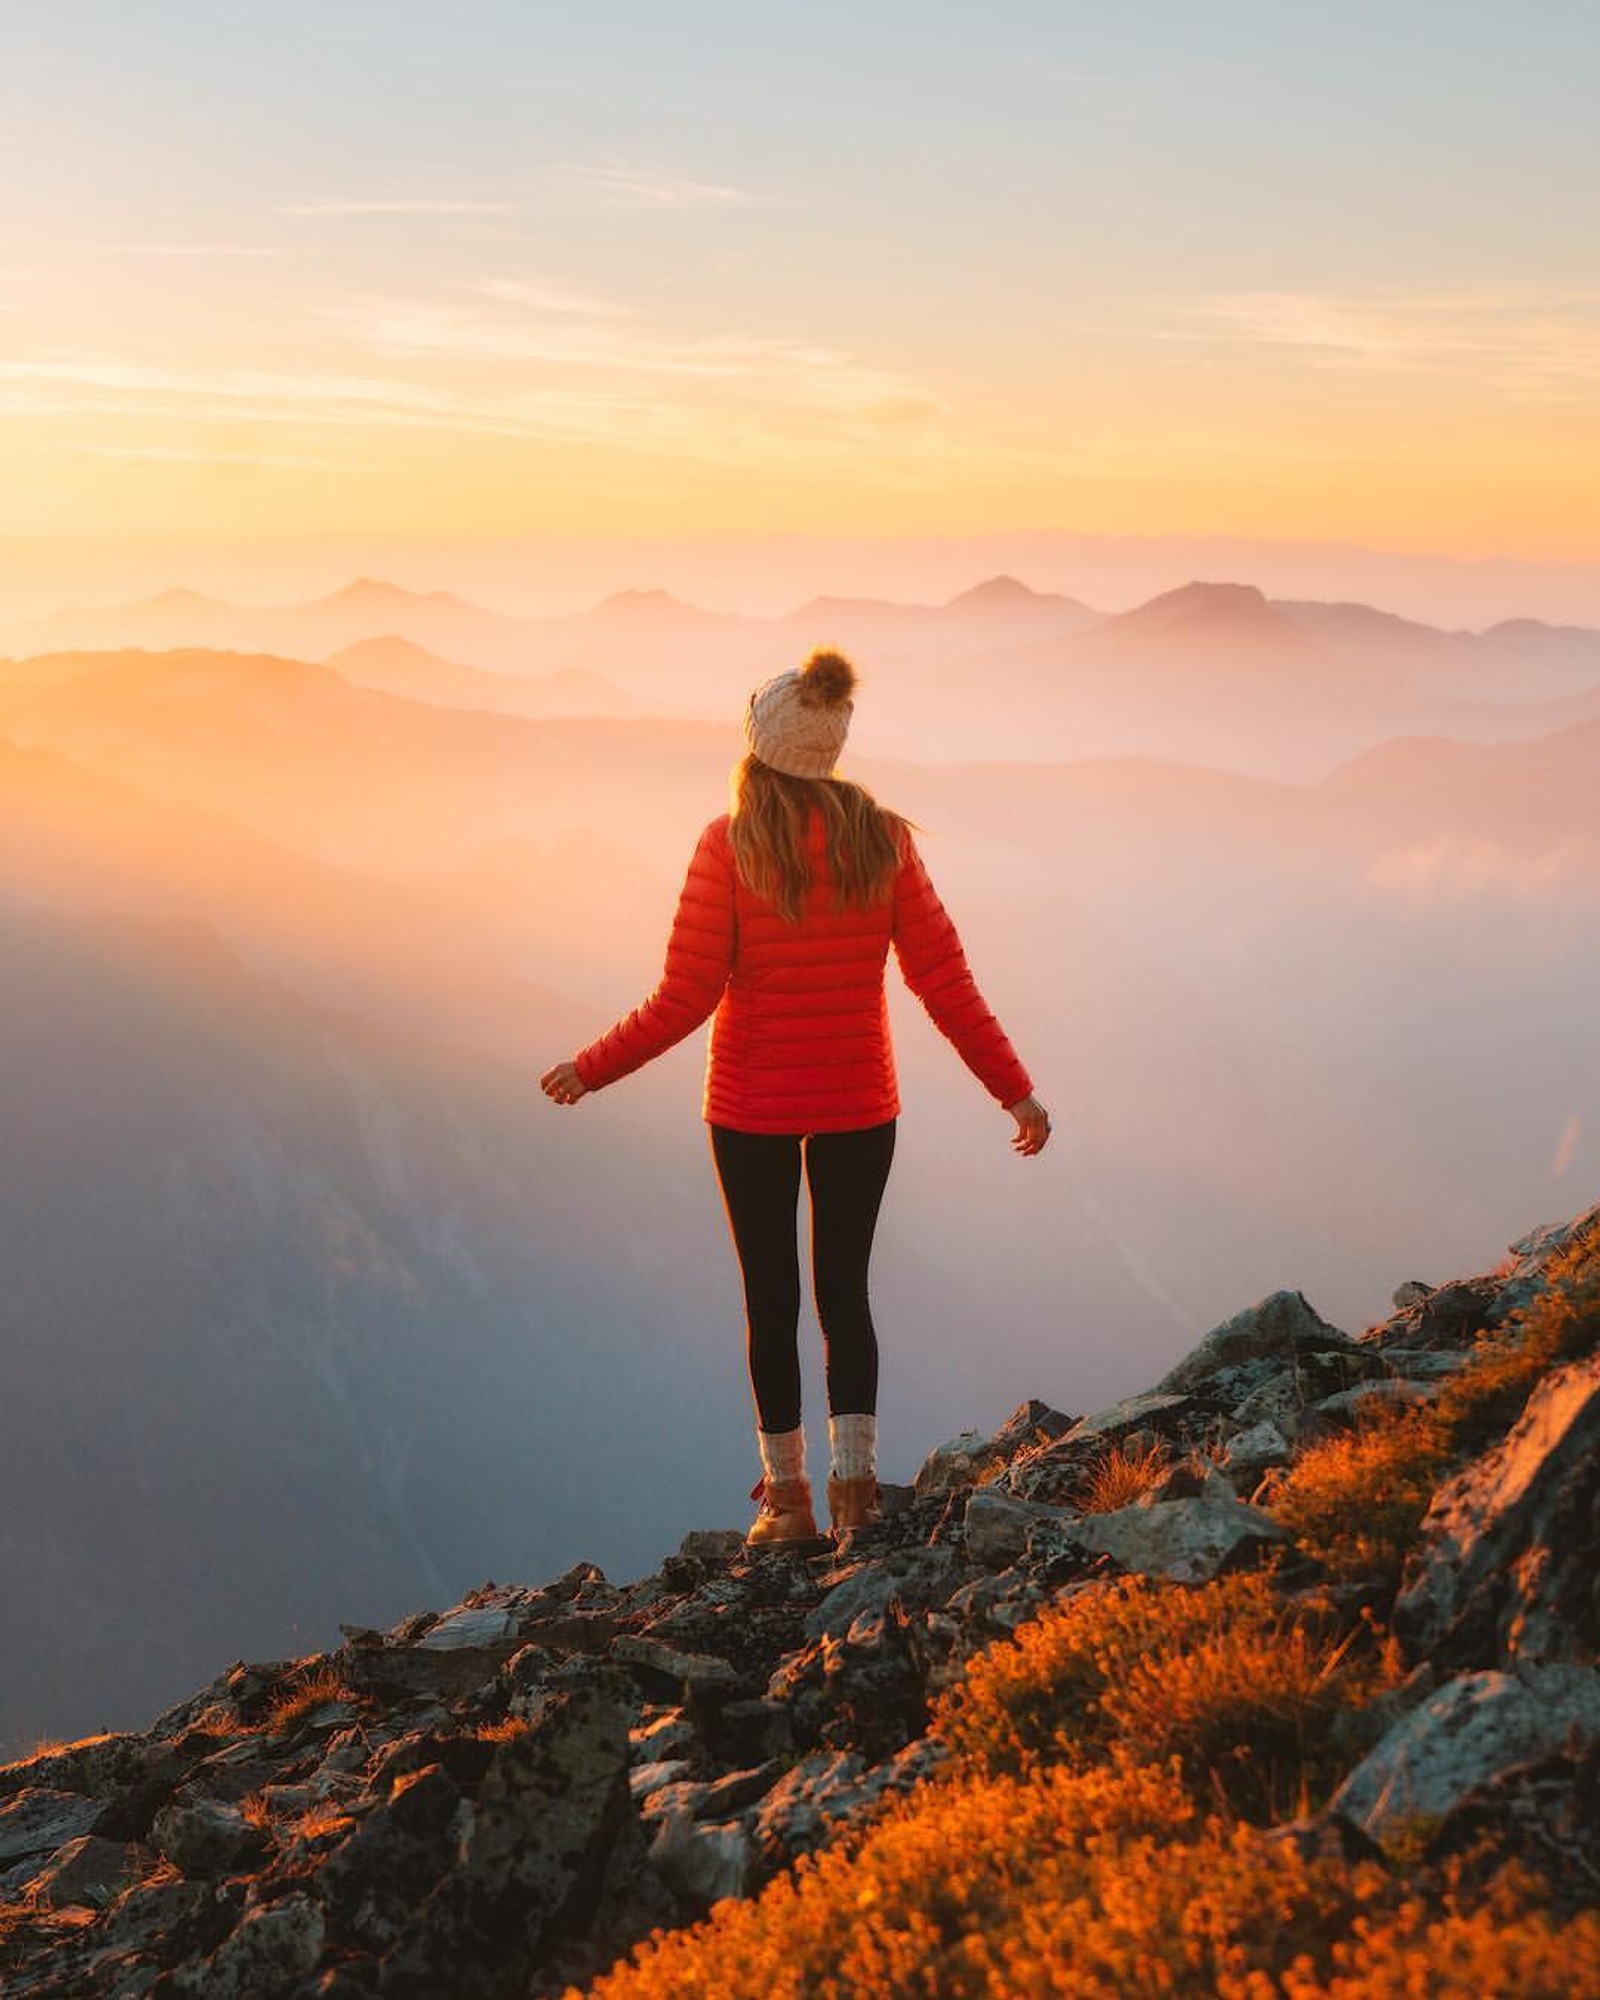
699,959
935,968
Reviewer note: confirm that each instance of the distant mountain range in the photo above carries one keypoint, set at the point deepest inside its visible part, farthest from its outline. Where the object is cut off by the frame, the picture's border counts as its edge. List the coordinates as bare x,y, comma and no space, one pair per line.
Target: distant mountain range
1542,659
1210,673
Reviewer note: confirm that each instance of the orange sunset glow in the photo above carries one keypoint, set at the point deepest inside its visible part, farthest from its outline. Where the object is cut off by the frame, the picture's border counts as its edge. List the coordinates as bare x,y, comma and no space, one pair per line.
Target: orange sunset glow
500,504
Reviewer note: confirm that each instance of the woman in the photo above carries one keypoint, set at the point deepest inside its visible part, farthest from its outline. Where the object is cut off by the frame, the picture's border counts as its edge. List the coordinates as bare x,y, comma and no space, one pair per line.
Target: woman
783,929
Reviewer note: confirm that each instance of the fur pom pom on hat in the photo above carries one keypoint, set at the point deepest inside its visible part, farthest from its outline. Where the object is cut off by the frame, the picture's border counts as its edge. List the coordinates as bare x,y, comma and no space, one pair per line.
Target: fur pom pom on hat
797,721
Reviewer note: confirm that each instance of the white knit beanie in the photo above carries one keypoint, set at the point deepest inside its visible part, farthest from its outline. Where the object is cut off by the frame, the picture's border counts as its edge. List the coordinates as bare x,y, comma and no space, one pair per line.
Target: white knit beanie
797,721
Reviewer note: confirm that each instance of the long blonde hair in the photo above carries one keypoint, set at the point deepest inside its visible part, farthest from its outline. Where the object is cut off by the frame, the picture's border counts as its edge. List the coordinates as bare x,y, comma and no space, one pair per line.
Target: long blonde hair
767,829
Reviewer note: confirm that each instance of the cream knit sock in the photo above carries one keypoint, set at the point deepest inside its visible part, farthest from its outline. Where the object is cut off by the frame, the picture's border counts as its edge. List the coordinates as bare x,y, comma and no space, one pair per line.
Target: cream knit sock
853,1444
783,1453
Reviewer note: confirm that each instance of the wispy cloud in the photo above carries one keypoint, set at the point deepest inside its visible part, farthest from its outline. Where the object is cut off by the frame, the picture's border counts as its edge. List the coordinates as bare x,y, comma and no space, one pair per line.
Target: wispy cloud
548,299
613,183
109,384
297,460
395,205
185,249
1530,344
738,400
425,327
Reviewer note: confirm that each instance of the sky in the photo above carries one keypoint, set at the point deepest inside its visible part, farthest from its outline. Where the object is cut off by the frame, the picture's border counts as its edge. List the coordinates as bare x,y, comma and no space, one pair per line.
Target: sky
888,269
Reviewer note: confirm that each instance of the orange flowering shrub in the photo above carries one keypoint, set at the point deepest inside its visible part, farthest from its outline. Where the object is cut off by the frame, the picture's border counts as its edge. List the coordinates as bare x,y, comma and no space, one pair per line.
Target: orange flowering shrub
1562,1323
1355,1500
1452,1947
1241,1690
1098,1884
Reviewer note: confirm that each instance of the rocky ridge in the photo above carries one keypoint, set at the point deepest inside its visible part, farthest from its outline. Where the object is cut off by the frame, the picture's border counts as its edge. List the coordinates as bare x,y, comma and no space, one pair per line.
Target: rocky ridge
499,1799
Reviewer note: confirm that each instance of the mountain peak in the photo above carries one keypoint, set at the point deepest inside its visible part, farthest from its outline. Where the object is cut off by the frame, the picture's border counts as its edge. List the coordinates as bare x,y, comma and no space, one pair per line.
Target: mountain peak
1236,613
180,598
646,604
995,591
1237,598
369,593
385,645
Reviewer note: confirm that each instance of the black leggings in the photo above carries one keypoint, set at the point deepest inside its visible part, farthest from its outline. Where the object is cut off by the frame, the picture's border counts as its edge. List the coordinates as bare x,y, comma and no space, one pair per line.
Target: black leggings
760,1177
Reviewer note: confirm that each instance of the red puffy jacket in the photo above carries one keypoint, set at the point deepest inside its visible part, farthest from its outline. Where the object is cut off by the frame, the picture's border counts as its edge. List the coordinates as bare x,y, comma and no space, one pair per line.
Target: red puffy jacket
801,1038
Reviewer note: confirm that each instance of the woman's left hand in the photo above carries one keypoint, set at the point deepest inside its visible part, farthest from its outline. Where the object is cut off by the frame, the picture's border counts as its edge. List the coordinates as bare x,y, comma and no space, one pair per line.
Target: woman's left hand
563,1083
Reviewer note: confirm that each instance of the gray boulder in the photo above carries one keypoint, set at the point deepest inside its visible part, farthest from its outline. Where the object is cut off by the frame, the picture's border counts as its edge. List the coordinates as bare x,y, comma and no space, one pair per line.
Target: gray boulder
918,1577
959,1461
1468,1732
480,1625
645,1779
698,1673
702,1861
662,1732
1253,1451
270,1950
713,1545
830,1788
1133,1413
1503,1569
208,1837
1280,1329
1440,1319
1190,1541
1426,1364
1347,1408
999,1525
87,1872
406,1842
553,1795
964,1459
1533,1254
39,1819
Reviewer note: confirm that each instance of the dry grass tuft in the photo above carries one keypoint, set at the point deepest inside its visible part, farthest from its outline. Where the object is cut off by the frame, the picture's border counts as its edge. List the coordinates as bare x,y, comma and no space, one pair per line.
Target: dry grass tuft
1119,1476
304,1695
318,1821
221,1719
498,1732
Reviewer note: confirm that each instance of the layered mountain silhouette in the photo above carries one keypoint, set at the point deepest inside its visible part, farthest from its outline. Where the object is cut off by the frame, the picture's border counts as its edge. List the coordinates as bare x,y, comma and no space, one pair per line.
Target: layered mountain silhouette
399,666
1212,672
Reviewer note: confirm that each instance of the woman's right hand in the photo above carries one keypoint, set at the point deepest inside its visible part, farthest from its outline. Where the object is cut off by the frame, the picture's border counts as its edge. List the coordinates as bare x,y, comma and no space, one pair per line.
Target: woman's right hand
1033,1125
563,1083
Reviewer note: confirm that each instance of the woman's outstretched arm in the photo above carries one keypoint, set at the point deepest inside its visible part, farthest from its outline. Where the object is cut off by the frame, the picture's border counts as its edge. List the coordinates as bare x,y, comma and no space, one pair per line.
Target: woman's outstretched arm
698,960
935,967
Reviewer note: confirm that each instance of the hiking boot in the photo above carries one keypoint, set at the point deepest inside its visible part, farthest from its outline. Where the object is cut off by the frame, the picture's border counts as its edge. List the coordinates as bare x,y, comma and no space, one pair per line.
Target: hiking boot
852,1503
785,1514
